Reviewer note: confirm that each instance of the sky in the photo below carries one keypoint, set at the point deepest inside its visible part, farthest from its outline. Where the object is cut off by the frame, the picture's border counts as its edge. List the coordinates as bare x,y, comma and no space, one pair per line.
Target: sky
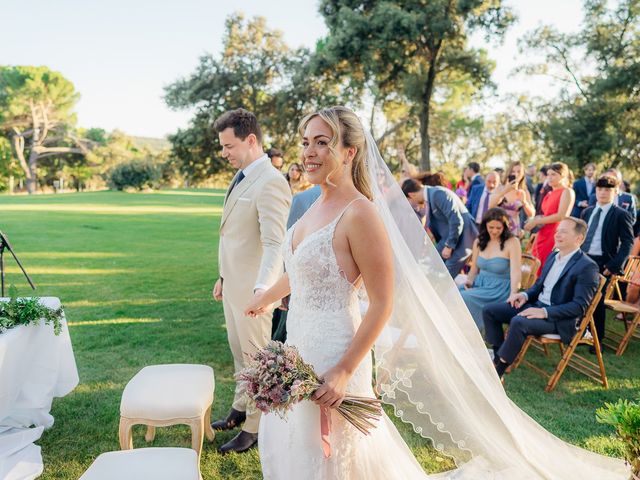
121,53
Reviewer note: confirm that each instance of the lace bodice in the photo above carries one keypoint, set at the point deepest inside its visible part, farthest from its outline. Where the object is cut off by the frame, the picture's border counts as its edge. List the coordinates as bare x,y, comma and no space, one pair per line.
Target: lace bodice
314,274
324,312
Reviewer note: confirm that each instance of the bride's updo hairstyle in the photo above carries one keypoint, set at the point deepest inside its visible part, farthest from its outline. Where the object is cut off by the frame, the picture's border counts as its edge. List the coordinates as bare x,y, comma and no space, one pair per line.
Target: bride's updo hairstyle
347,130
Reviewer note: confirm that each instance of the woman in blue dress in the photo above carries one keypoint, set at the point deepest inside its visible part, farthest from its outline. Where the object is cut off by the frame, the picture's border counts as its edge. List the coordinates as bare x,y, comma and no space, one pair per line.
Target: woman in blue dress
495,265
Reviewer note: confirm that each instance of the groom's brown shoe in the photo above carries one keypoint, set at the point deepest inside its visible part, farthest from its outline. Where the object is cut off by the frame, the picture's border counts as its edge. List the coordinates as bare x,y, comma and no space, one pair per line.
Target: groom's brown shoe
233,420
240,443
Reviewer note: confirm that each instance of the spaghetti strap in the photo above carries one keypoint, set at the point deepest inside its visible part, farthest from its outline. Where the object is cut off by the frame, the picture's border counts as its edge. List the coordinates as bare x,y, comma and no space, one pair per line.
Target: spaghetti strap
344,210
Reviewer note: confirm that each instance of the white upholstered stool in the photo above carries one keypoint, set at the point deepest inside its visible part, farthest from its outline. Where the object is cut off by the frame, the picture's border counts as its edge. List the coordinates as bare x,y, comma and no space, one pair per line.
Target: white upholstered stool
151,463
163,395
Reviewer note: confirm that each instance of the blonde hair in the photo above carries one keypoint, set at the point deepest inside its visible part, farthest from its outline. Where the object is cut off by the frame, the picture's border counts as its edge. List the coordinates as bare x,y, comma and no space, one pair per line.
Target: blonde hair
347,129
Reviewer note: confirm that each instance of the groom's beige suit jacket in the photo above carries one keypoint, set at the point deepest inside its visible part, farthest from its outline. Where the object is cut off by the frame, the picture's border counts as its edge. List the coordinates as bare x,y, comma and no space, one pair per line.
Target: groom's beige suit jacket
252,230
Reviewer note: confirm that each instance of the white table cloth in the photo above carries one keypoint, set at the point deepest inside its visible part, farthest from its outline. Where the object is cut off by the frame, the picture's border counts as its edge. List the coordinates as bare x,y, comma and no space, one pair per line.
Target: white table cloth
35,366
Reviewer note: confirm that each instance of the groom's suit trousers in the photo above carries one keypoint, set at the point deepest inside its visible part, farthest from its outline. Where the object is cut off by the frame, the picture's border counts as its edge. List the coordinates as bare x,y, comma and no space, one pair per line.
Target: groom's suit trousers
244,334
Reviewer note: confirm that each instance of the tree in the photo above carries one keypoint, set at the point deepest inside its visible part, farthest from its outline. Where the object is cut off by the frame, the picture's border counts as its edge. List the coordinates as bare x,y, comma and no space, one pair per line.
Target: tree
405,48
36,113
256,71
596,115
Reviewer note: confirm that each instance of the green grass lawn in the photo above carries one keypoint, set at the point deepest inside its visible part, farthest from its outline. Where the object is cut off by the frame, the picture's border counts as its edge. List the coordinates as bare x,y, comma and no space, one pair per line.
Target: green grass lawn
135,271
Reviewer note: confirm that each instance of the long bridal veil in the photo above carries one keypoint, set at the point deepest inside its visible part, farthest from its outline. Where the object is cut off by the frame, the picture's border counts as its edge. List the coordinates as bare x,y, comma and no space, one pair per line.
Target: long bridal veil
433,367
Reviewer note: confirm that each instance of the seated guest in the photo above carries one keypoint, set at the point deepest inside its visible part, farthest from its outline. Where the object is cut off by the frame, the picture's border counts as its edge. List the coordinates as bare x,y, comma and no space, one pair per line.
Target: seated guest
609,237
478,202
624,200
495,265
584,187
554,304
514,197
447,219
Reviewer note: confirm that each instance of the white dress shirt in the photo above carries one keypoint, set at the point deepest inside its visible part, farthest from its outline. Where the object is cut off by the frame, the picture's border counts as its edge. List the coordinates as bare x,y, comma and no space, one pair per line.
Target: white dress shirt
559,262
480,213
596,243
590,185
255,163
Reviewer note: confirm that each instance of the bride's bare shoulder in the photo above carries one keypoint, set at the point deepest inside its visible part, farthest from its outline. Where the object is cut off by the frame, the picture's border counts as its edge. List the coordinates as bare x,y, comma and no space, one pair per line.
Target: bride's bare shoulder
363,216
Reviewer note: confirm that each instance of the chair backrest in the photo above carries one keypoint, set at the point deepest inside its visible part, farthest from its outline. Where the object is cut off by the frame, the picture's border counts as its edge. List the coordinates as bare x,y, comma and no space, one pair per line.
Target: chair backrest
588,315
529,267
528,247
630,268
596,298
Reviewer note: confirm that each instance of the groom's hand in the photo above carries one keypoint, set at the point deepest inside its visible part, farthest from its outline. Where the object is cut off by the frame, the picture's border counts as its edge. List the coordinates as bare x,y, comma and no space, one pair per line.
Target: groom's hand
332,391
217,290
256,307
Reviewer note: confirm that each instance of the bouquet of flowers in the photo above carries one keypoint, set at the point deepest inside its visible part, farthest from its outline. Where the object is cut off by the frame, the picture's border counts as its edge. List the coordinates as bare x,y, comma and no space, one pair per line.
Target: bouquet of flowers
276,378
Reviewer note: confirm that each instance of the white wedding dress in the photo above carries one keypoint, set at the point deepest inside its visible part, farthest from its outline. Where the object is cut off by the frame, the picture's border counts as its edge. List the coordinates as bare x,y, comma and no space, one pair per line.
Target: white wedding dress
432,367
322,321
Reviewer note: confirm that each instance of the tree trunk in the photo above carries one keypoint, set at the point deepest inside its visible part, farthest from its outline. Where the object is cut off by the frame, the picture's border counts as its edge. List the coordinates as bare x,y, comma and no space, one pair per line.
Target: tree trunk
32,179
425,143
425,108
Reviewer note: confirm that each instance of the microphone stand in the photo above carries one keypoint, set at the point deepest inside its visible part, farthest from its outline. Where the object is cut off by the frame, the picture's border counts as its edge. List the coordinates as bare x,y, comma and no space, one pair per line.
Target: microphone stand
4,244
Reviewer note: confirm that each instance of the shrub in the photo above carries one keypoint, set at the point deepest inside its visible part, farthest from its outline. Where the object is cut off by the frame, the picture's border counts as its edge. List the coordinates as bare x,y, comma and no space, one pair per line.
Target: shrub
137,174
624,416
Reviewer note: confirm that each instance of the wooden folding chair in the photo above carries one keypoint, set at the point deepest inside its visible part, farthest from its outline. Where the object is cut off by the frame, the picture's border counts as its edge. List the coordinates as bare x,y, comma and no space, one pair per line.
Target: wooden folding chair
613,300
530,266
528,247
585,335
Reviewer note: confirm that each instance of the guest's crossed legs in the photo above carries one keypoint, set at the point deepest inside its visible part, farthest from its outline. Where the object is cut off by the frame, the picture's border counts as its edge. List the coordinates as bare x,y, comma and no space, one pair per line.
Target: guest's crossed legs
497,314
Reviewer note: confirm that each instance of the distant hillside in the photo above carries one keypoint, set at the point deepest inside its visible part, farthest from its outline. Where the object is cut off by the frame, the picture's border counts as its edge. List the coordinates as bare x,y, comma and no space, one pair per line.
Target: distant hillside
154,144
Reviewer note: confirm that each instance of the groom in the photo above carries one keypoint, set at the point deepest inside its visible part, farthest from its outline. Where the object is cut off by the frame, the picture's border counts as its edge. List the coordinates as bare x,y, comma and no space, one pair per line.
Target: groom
252,229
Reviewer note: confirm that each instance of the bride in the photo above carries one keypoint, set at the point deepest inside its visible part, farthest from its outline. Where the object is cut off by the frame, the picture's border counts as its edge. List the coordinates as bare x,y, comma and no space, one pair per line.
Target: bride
431,363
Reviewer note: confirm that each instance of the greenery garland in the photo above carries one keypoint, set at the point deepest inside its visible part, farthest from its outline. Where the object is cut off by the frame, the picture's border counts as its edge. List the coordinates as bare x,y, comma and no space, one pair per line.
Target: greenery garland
27,311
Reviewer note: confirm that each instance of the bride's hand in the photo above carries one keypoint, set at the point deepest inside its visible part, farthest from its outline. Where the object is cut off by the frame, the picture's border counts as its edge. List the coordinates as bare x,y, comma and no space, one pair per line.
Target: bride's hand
257,306
333,389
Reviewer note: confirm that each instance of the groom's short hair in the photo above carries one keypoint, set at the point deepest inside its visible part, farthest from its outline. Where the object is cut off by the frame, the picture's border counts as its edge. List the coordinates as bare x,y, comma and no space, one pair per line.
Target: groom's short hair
242,121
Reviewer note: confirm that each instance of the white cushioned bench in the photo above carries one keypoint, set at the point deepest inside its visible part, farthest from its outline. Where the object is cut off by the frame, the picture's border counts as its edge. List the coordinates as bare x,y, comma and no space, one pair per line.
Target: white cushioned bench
163,395
145,463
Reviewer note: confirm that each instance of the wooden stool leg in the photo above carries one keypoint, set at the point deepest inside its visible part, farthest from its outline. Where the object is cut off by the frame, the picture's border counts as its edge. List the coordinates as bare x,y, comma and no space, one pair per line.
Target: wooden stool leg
124,433
208,431
197,434
151,433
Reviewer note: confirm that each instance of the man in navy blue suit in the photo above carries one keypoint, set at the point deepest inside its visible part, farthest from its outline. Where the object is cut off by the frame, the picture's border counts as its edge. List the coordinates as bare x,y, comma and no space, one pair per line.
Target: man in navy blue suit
472,173
478,202
624,200
609,237
449,221
555,303
584,187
